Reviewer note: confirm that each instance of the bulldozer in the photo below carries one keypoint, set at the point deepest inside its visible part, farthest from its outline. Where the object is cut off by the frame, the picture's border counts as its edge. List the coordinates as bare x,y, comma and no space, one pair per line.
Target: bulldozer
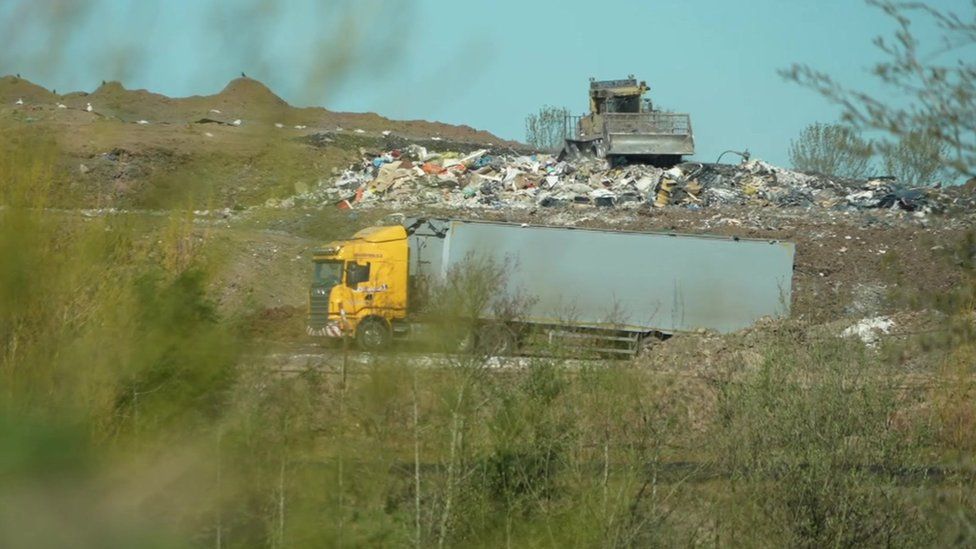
624,126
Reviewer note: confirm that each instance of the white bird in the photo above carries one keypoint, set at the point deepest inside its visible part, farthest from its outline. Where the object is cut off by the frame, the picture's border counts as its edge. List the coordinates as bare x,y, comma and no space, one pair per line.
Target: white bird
215,111
20,101
300,127
279,125
237,122
88,107
357,130
62,106
143,122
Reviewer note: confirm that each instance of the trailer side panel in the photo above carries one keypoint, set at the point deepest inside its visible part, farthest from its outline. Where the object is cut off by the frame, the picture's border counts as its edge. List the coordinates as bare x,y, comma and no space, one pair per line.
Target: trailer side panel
628,280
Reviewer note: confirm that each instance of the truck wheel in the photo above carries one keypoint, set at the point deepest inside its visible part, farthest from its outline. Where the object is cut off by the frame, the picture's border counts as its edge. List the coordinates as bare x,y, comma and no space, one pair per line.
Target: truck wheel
373,335
496,339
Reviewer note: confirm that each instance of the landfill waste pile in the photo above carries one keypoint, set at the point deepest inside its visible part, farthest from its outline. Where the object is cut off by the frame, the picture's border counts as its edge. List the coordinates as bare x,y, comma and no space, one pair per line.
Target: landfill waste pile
417,177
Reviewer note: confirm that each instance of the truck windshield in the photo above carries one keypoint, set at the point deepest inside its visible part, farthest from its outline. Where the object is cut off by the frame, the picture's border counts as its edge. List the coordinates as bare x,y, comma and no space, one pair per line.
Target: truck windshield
328,273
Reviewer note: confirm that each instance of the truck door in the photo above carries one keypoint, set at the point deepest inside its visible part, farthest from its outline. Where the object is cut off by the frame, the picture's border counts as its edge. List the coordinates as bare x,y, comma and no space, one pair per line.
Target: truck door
357,279
381,282
378,288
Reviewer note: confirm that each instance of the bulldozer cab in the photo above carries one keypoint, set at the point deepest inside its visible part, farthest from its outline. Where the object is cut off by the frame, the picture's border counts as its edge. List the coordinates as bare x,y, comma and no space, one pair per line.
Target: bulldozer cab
618,96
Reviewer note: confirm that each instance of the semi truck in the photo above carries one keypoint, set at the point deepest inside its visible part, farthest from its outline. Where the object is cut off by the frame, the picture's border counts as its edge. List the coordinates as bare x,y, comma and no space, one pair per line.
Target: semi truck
615,287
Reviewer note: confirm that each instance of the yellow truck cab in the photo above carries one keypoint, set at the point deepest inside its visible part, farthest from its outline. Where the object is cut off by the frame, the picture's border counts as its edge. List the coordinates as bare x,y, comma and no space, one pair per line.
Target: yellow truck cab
359,286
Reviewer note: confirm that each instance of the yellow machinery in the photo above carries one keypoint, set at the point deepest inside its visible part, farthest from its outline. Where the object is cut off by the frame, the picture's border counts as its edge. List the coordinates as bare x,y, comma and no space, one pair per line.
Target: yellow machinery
623,123
360,286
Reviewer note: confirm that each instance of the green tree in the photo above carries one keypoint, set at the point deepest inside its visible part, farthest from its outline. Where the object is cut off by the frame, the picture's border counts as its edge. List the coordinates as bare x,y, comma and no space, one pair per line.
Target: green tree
831,149
917,158
547,128
936,86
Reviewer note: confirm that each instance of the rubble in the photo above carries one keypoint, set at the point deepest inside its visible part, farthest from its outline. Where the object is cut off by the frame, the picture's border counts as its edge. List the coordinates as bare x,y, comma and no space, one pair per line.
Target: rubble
870,330
416,177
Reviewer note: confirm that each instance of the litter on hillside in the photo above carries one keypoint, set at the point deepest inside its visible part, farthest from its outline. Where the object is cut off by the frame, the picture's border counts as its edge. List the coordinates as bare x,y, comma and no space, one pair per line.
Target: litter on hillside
416,176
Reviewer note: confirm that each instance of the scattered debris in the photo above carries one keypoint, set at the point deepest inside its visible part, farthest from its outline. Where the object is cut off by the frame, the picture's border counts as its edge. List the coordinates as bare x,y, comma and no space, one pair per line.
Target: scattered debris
417,176
870,330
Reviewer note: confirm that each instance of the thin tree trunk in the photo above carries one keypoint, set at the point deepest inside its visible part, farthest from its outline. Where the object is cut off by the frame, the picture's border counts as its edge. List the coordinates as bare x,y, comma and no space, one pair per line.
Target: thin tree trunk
220,515
606,472
416,461
455,441
281,503
342,412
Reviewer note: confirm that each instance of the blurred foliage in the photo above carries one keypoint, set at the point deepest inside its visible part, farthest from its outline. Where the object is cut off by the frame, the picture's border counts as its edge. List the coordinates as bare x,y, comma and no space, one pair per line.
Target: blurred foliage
815,423
831,149
133,412
109,347
918,158
935,84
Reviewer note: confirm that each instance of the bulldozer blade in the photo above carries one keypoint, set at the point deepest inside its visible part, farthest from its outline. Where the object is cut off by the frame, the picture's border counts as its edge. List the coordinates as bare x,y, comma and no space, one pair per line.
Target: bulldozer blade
575,149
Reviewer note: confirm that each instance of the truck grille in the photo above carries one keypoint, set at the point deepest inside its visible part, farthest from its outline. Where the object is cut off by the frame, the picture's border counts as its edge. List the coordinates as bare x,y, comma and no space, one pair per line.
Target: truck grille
318,310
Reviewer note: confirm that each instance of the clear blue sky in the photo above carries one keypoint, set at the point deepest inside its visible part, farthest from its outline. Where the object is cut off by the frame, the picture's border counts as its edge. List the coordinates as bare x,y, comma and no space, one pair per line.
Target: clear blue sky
482,63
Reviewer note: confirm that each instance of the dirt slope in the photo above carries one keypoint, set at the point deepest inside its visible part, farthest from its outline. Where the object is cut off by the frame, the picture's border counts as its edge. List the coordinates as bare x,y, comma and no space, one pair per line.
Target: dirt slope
235,148
245,99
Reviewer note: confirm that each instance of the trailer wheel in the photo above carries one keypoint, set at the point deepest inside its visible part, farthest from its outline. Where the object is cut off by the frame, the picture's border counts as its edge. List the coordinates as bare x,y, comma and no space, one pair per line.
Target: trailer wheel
373,335
496,339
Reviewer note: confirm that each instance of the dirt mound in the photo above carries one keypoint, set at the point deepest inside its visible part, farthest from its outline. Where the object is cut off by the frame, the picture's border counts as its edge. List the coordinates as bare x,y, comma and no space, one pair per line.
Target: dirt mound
13,88
244,99
112,99
239,146
248,92
248,100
